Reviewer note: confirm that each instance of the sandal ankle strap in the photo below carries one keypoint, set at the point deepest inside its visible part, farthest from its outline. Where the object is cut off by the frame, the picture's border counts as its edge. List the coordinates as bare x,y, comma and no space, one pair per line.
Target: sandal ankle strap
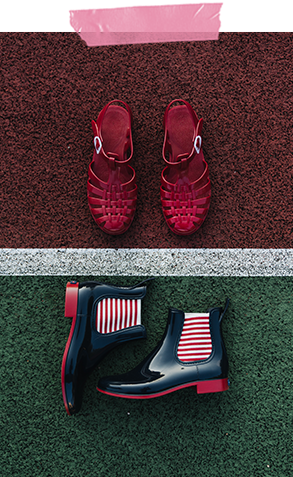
189,107
98,138
196,140
104,110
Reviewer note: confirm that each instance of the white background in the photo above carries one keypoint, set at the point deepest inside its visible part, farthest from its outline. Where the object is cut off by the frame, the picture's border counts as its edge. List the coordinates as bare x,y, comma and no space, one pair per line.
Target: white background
236,15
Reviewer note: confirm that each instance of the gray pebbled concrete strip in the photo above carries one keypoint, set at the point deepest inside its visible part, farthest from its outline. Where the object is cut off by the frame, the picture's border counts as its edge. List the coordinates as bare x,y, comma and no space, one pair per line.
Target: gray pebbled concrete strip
147,262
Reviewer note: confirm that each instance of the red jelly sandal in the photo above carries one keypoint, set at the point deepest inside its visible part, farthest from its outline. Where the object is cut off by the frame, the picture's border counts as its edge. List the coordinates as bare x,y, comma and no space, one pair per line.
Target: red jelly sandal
185,184
111,187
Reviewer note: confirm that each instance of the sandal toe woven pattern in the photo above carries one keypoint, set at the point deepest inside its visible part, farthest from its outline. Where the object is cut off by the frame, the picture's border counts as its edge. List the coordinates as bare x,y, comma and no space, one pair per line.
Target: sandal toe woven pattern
185,206
185,183
111,186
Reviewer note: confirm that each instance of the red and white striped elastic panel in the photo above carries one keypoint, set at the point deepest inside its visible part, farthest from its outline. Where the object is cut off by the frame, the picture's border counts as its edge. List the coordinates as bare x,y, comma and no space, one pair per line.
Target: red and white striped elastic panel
115,314
195,342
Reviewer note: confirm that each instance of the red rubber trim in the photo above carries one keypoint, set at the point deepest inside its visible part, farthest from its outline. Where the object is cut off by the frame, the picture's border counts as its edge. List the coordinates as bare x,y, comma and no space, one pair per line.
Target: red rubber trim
71,300
212,386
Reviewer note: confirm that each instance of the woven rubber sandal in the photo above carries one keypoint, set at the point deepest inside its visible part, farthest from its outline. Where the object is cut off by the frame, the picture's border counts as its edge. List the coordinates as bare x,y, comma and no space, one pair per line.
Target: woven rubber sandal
185,184
111,186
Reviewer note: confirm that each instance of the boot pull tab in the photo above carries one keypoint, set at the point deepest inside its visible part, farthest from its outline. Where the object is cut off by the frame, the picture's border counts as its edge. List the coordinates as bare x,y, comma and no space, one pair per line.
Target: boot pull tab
142,283
133,286
225,309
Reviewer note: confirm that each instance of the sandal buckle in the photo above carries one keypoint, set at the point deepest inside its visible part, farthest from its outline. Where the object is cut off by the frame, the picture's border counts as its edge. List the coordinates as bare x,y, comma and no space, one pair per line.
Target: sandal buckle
196,147
95,144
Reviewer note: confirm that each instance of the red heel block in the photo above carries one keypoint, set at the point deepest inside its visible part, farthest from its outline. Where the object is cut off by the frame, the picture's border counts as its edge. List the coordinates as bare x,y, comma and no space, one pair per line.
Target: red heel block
185,184
213,386
111,187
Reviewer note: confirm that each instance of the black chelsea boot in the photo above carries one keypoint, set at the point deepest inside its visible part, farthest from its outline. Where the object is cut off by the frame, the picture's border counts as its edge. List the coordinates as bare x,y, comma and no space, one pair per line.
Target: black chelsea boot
191,353
103,316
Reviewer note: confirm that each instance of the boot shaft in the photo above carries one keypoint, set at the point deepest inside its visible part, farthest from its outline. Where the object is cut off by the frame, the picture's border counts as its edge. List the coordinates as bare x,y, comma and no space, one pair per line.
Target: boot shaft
107,315
201,342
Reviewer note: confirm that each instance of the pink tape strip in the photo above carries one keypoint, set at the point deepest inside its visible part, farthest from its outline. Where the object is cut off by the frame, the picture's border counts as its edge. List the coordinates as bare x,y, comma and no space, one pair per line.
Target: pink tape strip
151,24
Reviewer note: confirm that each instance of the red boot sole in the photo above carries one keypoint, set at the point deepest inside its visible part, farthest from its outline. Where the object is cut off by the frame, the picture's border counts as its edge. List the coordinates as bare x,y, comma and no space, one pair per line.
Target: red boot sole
71,300
203,387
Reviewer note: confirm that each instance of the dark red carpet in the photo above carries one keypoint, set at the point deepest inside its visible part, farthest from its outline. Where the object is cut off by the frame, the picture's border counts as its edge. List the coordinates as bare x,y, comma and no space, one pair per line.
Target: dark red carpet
52,85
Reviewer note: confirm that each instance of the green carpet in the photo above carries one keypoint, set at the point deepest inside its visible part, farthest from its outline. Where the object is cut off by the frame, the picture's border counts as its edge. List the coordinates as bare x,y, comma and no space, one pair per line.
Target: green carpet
246,431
